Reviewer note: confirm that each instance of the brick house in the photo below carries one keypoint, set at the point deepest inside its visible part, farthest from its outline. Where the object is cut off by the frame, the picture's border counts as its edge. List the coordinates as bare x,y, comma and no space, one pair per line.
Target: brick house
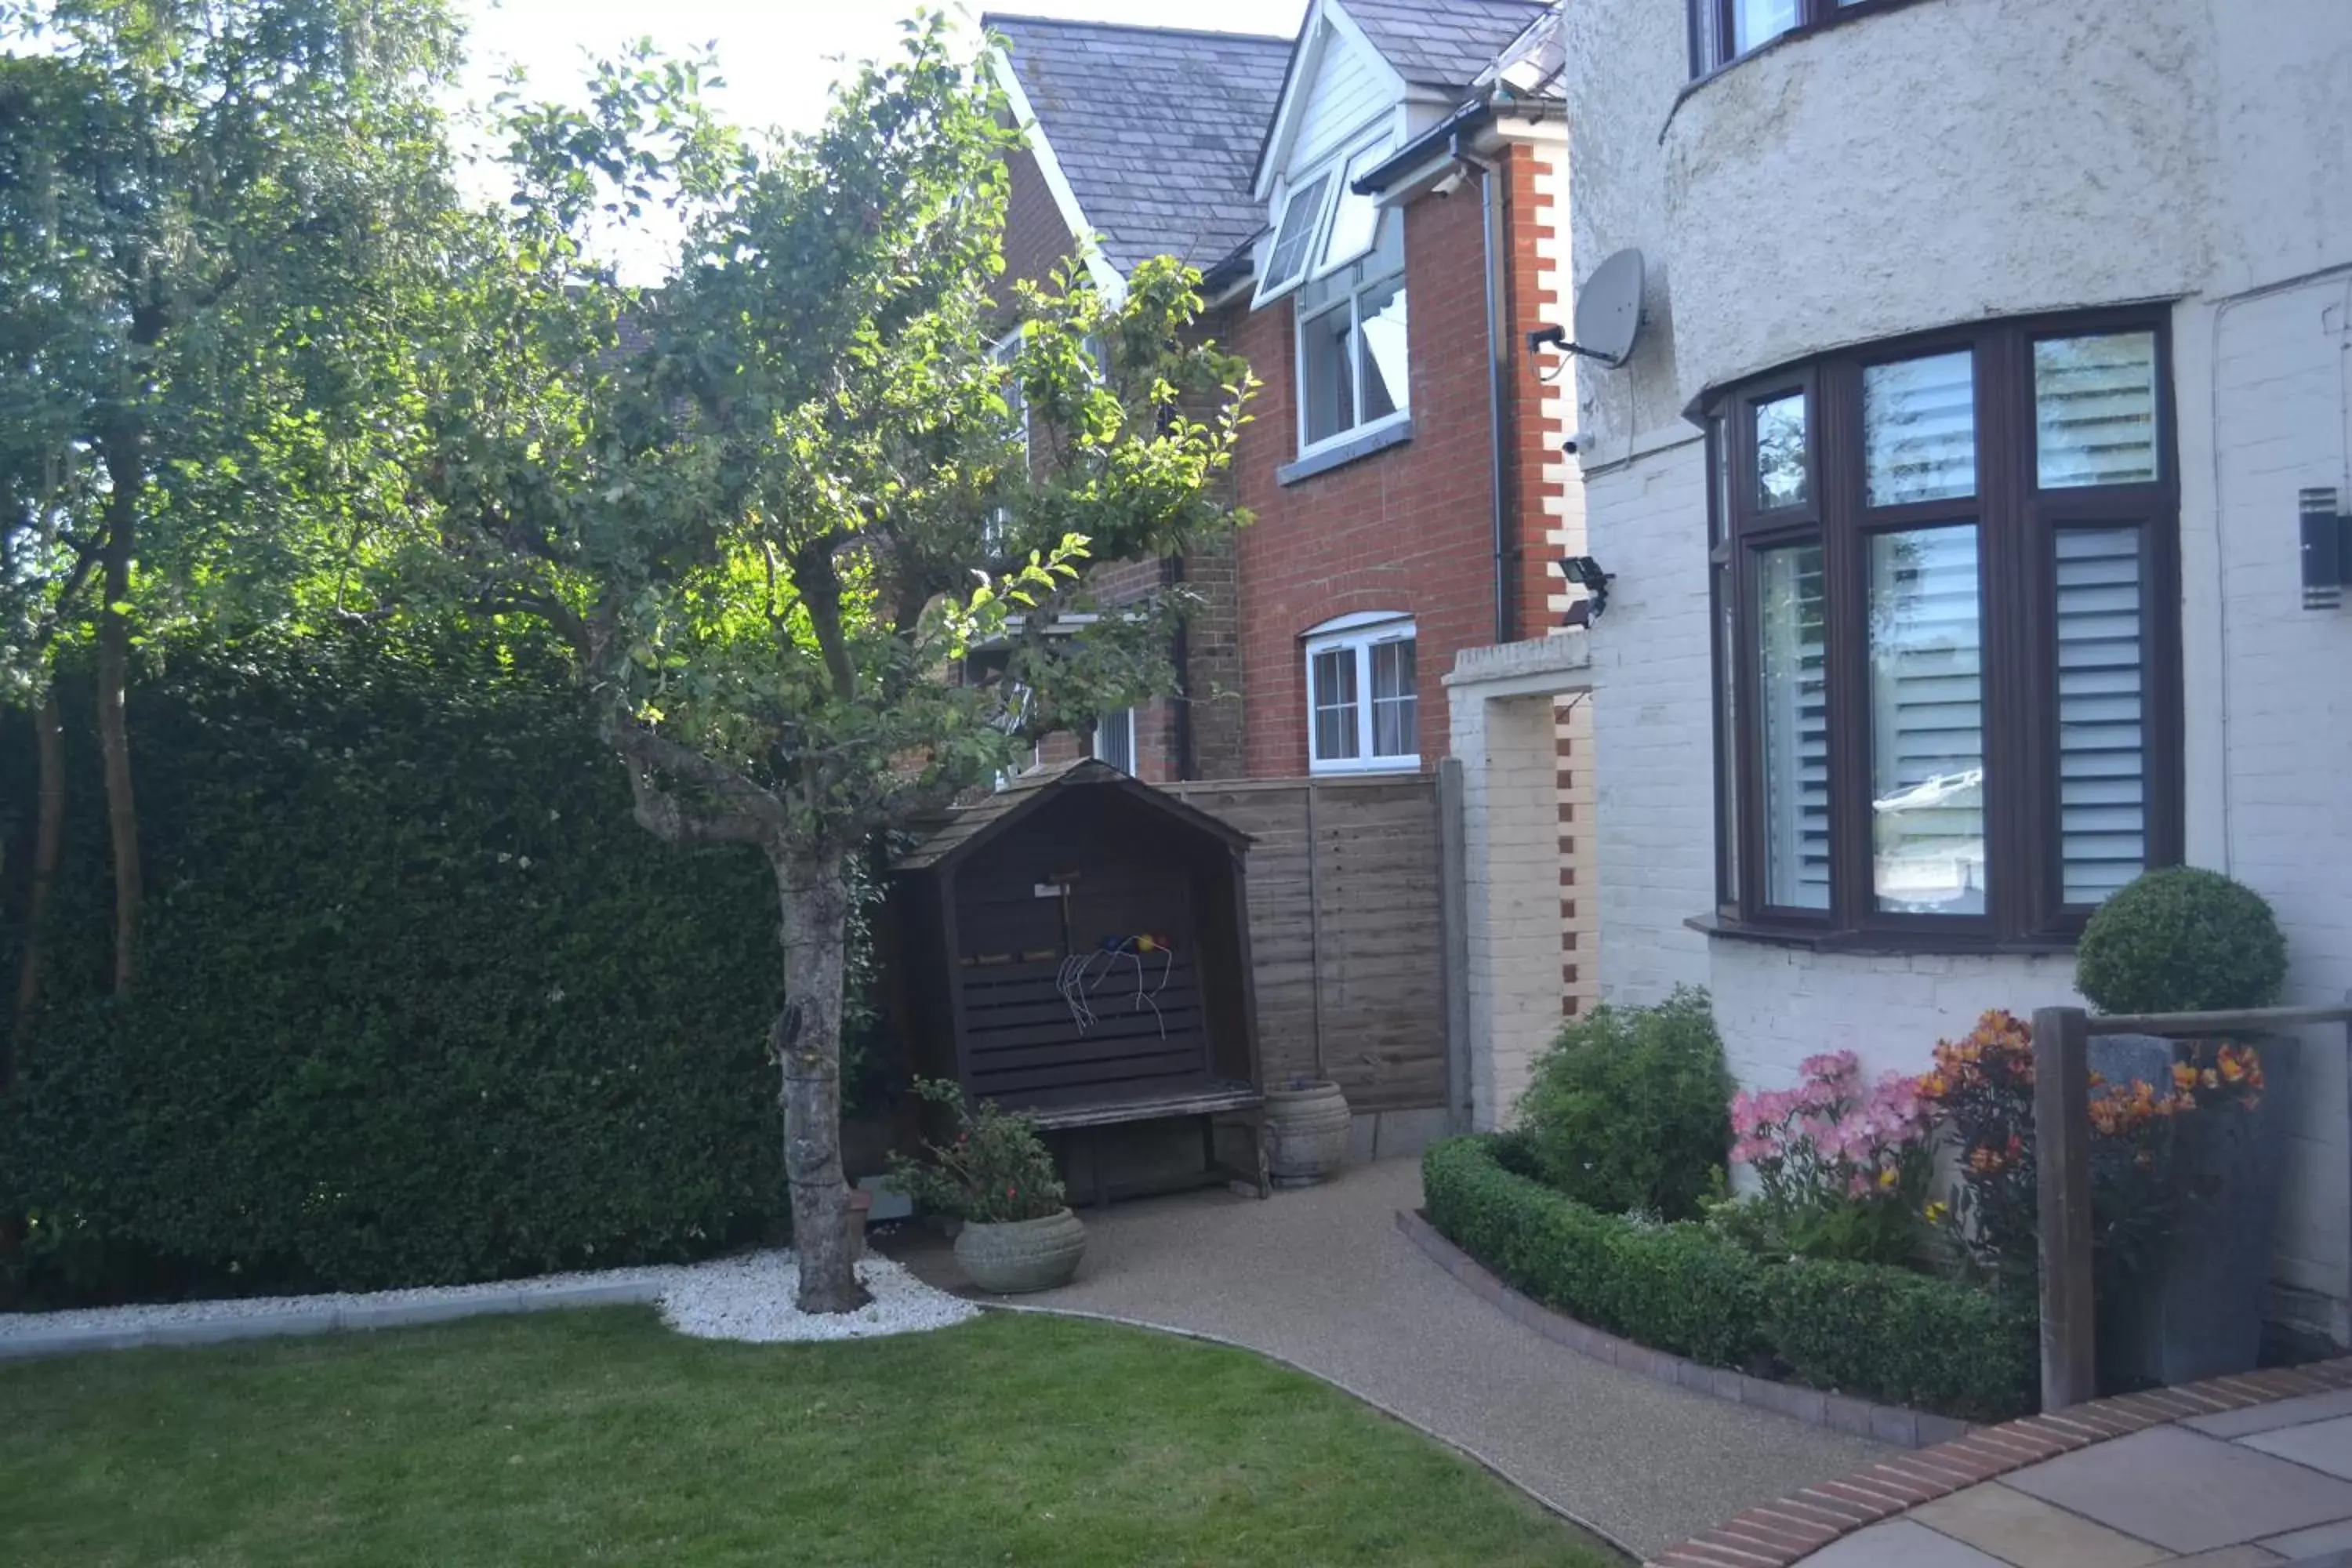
1378,206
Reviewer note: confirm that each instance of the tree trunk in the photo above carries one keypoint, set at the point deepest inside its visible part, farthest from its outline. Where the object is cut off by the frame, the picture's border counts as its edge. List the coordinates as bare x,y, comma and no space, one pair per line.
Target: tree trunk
815,893
124,472
48,846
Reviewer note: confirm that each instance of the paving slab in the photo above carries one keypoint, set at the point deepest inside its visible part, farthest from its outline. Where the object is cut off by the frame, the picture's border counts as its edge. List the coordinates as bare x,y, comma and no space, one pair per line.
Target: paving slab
2310,1542
2271,1417
2229,1557
1901,1541
2323,1445
2024,1530
2186,1491
1321,1278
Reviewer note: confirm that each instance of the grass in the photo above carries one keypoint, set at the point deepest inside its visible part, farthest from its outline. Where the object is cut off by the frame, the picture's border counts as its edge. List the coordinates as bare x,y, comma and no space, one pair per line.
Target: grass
600,1436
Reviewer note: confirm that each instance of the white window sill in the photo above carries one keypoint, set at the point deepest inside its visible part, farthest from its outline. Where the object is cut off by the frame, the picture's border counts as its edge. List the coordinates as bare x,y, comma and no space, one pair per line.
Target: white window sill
1366,765
1356,444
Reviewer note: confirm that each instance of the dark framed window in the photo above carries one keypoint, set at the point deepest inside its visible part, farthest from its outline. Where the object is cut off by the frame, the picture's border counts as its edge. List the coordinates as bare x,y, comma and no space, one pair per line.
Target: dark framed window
1722,31
1943,582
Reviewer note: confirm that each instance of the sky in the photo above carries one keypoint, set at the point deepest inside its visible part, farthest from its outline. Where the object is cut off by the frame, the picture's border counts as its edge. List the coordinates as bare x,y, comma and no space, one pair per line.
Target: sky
777,59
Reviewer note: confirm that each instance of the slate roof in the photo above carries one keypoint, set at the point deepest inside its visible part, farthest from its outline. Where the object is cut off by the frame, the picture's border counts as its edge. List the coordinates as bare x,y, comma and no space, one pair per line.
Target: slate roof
1444,43
1157,127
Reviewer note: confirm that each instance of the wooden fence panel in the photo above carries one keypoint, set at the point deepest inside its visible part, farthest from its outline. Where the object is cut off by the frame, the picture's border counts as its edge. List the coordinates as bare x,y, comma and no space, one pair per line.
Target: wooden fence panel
1346,931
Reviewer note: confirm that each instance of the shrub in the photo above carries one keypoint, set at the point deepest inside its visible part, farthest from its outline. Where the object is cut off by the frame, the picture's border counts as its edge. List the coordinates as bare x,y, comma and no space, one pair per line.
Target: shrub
418,1003
2182,940
1627,1111
994,1170
1871,1330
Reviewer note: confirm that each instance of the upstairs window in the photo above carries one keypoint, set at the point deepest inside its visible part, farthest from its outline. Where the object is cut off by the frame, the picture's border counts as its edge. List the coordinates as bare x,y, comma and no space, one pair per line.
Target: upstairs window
1723,31
1353,342
1948,692
1294,233
1362,696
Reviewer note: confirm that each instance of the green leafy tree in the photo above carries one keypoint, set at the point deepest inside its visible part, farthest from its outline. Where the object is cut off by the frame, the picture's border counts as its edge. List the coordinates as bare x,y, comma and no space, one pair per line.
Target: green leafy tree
217,222
814,549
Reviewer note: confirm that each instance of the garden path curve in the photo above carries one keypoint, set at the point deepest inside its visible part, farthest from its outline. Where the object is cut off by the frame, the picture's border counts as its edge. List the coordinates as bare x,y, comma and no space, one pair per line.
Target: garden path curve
1323,1279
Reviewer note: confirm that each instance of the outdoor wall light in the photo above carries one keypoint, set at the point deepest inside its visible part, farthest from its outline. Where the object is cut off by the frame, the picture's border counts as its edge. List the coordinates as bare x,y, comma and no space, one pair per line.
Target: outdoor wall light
2326,549
1586,574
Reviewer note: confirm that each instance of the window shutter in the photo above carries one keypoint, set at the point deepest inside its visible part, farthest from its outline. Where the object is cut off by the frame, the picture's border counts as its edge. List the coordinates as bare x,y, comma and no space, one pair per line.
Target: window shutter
2095,410
2102,714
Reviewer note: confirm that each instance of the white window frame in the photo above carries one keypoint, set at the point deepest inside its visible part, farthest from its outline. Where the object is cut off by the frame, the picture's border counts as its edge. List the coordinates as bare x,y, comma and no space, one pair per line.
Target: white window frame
1111,723
1269,288
1353,167
1360,634
1351,302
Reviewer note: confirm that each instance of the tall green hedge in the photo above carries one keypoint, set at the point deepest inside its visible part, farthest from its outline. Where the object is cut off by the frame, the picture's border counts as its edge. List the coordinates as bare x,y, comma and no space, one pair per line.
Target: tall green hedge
417,1002
1867,1330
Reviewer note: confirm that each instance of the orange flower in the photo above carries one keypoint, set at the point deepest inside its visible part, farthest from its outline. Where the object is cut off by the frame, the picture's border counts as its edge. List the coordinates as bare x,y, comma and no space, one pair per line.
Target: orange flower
2184,1077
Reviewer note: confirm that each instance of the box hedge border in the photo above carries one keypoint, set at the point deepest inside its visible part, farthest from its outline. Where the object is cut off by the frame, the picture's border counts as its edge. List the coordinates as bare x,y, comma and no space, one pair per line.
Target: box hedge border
1870,1330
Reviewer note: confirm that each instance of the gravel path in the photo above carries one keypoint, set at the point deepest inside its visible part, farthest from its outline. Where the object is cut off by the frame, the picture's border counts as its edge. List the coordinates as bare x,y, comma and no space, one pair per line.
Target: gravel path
744,1298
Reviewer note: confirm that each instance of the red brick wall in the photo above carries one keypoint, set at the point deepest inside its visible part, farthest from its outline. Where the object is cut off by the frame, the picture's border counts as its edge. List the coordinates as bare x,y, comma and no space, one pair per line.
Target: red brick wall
1409,528
1036,240
1536,440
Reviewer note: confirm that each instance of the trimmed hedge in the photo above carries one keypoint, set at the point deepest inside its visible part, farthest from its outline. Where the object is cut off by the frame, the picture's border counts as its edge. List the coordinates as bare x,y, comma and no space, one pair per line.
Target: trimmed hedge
1872,1332
418,1003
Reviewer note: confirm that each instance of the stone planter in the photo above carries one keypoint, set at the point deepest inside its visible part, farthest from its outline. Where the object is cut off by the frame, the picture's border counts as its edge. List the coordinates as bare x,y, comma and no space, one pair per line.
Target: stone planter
1305,1134
1025,1255
2196,1311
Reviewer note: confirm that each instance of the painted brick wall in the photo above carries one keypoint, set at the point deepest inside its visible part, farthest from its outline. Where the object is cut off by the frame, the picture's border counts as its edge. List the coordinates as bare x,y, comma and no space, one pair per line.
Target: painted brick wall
1408,529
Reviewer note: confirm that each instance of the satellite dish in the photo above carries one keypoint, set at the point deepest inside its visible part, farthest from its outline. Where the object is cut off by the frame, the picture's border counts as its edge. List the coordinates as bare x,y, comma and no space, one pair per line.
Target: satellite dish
1609,311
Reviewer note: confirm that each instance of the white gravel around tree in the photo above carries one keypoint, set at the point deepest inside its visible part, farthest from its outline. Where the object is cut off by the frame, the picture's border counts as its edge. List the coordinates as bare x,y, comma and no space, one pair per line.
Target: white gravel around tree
743,1297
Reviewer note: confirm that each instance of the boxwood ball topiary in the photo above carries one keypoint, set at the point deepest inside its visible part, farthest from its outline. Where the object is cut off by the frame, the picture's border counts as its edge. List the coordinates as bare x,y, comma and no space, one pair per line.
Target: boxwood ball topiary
2182,940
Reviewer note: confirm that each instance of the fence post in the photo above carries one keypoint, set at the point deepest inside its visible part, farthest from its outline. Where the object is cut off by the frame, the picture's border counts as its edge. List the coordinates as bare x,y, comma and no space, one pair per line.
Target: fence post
1454,917
2061,1134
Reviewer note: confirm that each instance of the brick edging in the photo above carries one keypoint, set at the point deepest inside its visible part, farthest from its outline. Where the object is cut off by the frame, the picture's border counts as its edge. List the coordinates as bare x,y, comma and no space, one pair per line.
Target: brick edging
1780,1533
1896,1424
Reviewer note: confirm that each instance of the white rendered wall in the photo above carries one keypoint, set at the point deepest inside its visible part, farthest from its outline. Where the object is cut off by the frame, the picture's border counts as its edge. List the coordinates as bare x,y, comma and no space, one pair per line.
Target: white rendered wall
1943,162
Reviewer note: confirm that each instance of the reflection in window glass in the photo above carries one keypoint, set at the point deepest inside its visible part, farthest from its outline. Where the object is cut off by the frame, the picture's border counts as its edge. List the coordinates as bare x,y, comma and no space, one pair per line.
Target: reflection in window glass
1334,675
1927,721
1755,22
1357,220
1329,393
1793,693
1919,428
1115,739
2095,410
1781,452
1396,709
2102,744
1383,311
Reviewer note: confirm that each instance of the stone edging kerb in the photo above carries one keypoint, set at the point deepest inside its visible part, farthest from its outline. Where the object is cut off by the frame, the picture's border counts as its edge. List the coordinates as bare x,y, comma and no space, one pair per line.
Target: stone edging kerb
36,1341
1894,1424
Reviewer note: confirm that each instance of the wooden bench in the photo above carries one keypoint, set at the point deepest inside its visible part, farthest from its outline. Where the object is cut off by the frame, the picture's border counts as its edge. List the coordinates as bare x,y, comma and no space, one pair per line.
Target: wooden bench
1238,1103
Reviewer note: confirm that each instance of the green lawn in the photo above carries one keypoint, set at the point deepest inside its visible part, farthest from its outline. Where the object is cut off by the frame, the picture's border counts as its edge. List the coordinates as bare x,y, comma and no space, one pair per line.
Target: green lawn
600,1436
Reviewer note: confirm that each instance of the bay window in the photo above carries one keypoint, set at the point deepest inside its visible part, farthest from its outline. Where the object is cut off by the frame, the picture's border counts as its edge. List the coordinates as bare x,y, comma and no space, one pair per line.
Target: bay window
1948,691
1362,697
1721,31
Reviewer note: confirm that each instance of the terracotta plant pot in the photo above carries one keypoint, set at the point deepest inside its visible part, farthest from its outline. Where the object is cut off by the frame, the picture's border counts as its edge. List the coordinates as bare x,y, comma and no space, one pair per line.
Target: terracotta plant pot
1025,1255
1305,1134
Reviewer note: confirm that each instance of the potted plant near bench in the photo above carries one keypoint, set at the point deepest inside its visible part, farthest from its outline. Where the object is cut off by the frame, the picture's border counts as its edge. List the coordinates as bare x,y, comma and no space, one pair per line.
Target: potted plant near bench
997,1177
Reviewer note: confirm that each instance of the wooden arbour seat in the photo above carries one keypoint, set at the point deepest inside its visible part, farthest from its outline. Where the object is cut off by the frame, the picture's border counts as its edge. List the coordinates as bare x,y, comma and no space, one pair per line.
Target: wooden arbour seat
1077,946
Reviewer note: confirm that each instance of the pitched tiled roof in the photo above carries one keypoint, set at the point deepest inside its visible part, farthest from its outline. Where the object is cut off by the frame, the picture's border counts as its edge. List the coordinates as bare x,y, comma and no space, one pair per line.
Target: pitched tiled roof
1443,43
1156,128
